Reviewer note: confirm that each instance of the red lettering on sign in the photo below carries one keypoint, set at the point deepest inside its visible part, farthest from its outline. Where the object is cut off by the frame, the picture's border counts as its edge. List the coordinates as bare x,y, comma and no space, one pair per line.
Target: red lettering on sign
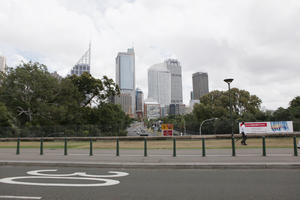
256,124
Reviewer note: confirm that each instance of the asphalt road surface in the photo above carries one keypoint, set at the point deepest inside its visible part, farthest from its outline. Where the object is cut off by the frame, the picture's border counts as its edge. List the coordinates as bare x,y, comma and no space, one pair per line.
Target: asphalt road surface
73,183
138,129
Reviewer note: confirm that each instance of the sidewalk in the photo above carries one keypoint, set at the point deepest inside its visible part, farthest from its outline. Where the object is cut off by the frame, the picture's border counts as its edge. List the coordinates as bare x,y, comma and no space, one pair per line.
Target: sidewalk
215,158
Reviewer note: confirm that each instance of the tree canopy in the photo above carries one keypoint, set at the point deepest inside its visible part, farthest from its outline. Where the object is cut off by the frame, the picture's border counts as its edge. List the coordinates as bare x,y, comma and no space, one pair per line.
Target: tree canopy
31,98
245,107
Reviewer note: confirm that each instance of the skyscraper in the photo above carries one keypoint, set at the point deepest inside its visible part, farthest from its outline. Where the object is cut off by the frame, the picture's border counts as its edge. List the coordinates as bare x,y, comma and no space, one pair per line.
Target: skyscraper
200,84
125,76
159,84
84,63
139,101
176,80
2,64
139,96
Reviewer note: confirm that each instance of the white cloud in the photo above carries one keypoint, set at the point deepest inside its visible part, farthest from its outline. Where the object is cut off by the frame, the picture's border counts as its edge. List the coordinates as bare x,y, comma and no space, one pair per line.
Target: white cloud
255,42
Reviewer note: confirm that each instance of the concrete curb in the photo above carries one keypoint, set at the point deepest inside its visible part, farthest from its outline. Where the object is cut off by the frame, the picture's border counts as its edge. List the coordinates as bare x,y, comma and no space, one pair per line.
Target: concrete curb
131,165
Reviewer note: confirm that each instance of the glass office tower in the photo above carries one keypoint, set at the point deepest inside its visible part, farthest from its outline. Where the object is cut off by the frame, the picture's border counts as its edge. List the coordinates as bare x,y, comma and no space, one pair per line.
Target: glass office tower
125,76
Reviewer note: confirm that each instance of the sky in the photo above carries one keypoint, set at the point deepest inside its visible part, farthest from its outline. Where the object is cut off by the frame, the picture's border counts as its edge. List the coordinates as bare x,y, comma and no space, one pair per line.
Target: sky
255,42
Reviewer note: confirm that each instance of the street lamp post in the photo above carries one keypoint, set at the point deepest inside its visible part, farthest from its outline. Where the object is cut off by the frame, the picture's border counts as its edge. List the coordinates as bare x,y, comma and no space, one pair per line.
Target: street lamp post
228,81
203,123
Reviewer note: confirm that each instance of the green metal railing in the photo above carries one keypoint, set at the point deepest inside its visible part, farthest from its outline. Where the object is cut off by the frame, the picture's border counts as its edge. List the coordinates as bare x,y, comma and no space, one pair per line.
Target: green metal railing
145,139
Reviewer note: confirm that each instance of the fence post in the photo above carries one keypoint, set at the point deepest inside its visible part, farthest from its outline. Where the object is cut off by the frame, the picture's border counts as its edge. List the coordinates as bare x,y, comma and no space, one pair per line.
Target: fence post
174,147
117,148
91,147
203,147
18,146
145,147
233,146
264,146
295,146
42,147
66,147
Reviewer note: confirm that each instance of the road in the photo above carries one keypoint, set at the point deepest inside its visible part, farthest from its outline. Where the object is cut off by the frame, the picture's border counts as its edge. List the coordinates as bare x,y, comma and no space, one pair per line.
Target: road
137,128
151,184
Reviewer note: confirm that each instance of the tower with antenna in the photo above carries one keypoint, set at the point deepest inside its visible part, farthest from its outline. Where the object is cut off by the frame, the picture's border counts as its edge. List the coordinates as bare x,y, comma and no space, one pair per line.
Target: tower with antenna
84,63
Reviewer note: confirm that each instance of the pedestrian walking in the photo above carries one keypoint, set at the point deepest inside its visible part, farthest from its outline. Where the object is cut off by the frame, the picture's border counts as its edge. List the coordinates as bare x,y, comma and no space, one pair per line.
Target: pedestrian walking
244,134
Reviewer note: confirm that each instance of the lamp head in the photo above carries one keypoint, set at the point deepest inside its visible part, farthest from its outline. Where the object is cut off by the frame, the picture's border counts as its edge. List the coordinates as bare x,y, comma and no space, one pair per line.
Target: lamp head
228,80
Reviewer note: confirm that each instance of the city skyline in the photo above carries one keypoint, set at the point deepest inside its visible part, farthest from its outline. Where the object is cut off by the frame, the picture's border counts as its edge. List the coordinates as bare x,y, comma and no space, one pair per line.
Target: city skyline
254,42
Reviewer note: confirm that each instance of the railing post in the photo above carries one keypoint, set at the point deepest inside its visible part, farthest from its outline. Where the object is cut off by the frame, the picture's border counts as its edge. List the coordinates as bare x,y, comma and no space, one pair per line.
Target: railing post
145,147
174,147
91,147
117,148
66,147
18,146
264,146
42,147
203,147
295,146
233,146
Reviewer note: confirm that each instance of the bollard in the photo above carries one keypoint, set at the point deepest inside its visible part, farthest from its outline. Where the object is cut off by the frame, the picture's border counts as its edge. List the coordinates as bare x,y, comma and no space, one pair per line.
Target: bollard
233,146
18,146
42,147
264,145
66,147
91,147
117,148
145,147
203,147
174,147
295,146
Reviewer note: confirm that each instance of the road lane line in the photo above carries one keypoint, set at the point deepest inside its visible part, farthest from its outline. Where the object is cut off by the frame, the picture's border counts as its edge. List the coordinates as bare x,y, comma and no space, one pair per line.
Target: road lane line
19,197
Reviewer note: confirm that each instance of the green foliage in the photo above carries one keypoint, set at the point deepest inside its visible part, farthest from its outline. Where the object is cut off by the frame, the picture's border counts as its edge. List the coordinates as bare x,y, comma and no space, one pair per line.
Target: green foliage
35,103
245,107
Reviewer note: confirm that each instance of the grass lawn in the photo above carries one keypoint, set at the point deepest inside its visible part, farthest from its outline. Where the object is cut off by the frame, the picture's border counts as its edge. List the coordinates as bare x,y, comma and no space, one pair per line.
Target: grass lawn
155,144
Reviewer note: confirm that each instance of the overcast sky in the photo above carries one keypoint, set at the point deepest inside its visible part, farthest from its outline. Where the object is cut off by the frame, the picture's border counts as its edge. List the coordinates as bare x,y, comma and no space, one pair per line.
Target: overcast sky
256,42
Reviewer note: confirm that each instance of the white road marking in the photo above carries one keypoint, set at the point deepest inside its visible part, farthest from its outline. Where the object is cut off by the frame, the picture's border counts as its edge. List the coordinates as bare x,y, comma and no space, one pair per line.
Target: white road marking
114,174
11,180
73,176
19,197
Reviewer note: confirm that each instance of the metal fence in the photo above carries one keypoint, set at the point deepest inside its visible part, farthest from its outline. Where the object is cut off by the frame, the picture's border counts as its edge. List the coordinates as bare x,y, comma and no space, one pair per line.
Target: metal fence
202,143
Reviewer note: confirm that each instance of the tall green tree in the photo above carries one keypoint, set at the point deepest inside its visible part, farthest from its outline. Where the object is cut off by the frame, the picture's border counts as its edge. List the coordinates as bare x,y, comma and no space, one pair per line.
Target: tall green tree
216,105
28,91
92,90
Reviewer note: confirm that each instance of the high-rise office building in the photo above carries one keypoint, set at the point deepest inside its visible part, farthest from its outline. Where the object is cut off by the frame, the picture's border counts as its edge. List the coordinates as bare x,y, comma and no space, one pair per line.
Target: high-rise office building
159,84
176,80
200,85
84,64
125,76
139,100
2,64
125,100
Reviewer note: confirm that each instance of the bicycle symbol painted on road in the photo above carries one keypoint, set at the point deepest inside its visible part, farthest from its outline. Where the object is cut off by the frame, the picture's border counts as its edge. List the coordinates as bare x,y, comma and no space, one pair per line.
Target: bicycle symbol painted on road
104,180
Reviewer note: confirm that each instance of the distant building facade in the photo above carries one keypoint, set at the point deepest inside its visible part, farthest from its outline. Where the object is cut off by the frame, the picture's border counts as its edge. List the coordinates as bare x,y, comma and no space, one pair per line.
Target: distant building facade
84,64
139,102
174,67
177,109
125,101
2,63
152,109
125,77
159,84
200,85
